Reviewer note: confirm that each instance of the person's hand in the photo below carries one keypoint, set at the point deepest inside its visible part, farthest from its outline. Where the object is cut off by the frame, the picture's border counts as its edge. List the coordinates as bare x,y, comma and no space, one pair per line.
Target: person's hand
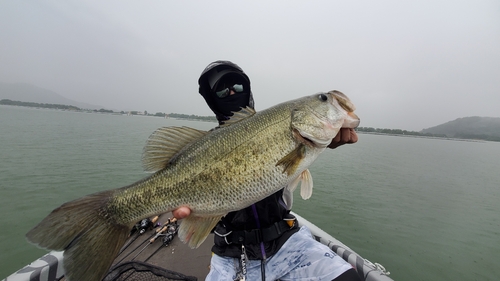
181,212
345,135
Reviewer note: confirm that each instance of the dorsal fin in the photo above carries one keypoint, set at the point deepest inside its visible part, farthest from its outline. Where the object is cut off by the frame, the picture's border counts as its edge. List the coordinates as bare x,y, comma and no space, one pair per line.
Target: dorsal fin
238,116
165,143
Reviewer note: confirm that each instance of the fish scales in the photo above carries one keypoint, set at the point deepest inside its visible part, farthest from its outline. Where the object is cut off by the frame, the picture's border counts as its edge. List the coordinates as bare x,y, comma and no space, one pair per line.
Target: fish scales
234,167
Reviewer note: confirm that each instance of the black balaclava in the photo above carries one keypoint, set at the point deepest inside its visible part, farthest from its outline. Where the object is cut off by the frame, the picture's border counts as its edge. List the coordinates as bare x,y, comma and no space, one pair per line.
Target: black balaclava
220,75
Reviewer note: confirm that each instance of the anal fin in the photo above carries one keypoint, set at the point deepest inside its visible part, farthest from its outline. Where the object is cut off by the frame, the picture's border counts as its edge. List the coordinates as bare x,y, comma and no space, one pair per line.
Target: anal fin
195,229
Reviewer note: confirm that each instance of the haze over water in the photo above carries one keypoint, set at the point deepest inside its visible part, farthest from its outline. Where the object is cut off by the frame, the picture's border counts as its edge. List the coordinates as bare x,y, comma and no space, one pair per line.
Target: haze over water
426,209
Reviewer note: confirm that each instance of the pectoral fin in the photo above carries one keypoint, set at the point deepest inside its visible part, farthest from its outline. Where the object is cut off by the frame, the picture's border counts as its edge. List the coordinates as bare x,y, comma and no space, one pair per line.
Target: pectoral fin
292,160
195,229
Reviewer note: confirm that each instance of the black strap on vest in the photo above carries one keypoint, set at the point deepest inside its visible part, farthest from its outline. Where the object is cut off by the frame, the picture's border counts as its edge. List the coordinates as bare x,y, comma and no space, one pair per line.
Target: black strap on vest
256,236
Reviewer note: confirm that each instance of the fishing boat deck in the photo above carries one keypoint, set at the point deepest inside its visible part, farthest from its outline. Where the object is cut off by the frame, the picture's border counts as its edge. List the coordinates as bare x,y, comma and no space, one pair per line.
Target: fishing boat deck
141,259
176,256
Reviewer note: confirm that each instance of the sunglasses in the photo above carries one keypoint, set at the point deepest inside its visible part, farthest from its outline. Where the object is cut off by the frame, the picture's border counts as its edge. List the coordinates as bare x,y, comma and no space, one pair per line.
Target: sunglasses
238,88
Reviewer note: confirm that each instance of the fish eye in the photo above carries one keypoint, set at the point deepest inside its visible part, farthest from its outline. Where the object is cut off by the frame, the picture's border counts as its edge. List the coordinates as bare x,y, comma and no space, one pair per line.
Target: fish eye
323,97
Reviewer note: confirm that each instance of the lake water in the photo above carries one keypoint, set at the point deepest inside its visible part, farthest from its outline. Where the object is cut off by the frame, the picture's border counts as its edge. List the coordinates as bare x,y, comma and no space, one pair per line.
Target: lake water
426,209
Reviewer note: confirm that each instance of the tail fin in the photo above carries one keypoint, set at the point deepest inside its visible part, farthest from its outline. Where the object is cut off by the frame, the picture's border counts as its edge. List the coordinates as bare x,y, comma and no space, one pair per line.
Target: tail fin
90,240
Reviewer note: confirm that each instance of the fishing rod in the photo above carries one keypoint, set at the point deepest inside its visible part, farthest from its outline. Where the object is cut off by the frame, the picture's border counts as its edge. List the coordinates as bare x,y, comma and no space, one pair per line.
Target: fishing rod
152,240
172,229
139,229
142,243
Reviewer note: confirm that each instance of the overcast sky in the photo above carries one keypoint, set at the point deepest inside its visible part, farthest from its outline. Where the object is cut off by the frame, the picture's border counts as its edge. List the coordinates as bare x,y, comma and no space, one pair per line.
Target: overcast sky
407,65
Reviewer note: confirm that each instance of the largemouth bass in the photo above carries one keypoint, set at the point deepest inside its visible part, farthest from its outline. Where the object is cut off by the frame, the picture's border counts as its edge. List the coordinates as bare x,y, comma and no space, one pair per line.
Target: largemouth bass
247,159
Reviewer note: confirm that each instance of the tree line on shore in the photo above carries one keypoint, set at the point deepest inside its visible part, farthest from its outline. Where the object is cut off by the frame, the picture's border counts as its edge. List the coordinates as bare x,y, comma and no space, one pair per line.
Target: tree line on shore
458,134
398,132
39,105
102,110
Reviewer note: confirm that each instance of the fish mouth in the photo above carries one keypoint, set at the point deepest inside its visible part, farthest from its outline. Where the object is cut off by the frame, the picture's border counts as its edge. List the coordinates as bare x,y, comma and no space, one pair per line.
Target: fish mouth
309,140
329,126
343,103
352,121
303,139
326,127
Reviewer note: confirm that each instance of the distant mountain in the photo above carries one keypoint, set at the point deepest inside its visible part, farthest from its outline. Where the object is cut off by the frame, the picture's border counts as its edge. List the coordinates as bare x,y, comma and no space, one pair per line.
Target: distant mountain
485,128
30,93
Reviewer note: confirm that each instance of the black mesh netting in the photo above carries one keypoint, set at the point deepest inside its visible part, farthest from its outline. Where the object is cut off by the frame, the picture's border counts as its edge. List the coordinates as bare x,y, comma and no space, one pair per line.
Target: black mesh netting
140,271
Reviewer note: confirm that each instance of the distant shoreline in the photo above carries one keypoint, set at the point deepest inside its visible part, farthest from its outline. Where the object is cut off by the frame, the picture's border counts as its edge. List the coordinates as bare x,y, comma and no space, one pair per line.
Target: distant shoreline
422,137
175,116
360,130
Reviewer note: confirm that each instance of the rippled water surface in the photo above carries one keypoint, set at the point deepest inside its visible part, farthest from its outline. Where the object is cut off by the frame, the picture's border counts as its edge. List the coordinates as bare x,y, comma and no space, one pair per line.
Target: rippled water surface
426,209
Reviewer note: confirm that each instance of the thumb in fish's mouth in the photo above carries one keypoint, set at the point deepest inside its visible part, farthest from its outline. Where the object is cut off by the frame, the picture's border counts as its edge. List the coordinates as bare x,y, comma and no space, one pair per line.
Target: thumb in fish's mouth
351,121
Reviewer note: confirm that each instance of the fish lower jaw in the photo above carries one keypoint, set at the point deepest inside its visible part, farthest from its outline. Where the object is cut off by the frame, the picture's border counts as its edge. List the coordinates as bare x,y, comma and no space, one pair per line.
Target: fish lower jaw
309,141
